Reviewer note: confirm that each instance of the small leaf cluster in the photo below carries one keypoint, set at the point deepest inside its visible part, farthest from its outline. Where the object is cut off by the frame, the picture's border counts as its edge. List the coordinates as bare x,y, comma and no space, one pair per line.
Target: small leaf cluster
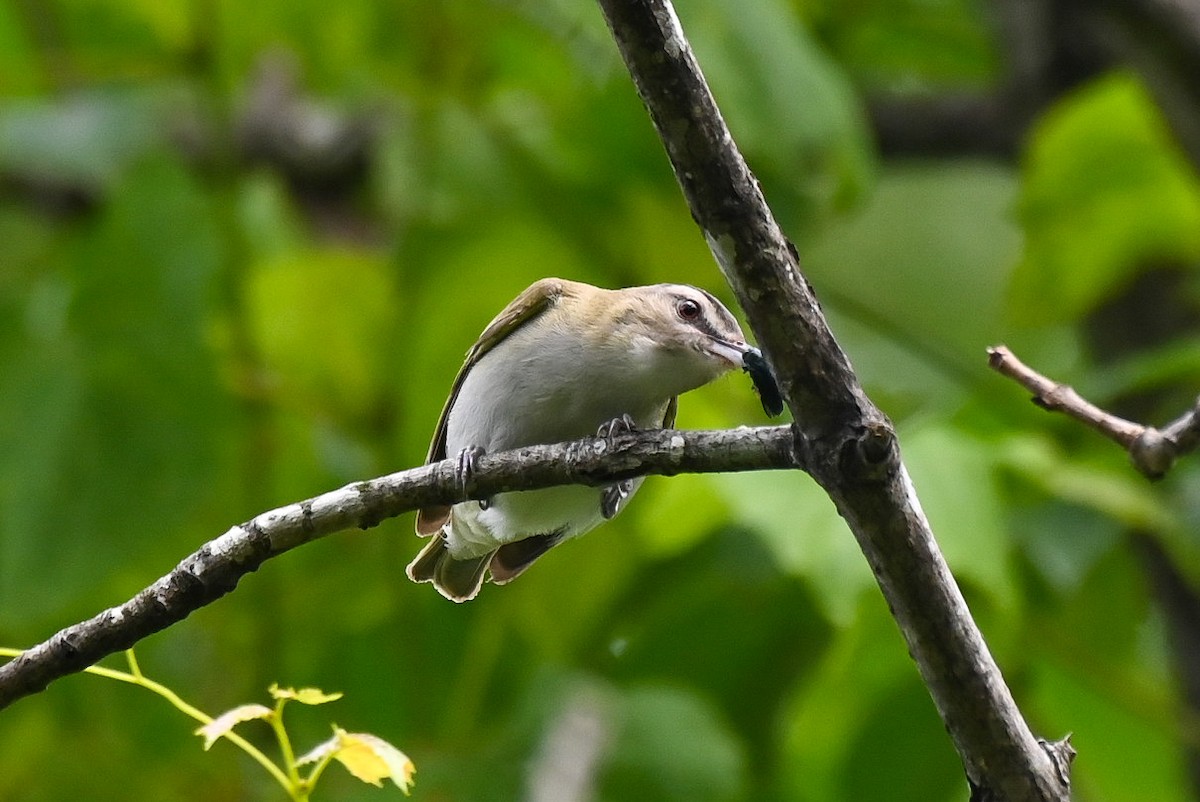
368,757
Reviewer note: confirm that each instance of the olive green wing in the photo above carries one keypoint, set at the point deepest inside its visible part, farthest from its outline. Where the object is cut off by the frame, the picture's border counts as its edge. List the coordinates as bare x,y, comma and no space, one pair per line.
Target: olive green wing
536,299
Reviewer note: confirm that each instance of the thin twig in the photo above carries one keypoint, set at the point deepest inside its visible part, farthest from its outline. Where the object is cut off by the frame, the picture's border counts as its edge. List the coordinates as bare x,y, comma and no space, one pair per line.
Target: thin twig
1152,451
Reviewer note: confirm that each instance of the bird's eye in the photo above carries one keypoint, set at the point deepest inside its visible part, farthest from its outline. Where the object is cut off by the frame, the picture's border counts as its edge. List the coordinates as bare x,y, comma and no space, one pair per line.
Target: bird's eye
688,309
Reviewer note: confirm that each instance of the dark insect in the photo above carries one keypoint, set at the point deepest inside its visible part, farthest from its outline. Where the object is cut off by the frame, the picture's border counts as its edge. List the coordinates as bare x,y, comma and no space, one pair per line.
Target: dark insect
764,383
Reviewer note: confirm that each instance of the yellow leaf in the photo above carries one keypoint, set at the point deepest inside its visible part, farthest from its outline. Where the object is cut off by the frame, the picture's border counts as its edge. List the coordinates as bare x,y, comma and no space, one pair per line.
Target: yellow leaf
225,722
372,759
368,757
305,696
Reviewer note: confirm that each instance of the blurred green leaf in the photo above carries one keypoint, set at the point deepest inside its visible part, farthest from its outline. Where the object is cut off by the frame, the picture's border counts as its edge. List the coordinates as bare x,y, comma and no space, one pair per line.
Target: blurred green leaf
804,533
953,476
853,696
322,320
1105,615
1129,758
1063,541
41,392
673,515
790,108
908,45
915,280
671,746
87,139
117,415
271,225
19,71
1120,493
689,621
923,768
1105,190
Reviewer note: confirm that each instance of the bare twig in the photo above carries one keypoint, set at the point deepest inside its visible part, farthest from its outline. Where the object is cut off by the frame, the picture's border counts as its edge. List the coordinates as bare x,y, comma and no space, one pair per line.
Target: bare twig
215,569
849,445
1152,451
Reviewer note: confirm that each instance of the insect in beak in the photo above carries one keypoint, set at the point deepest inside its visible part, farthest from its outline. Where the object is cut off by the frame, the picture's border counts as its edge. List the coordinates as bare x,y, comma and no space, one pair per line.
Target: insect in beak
752,361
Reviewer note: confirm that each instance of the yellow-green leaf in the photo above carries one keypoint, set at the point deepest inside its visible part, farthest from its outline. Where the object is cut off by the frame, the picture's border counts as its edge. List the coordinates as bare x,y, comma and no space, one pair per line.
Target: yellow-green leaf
225,722
368,757
305,696
372,759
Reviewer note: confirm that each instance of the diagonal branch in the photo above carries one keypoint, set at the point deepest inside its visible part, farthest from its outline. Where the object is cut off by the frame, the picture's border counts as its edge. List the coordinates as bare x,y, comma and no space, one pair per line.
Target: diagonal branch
849,445
1152,451
216,568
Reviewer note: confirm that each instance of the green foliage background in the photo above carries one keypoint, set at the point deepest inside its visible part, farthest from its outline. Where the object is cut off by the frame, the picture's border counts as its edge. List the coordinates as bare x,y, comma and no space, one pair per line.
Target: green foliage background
206,339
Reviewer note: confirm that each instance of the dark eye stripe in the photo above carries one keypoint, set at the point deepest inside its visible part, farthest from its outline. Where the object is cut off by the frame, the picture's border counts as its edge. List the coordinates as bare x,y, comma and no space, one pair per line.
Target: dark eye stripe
721,312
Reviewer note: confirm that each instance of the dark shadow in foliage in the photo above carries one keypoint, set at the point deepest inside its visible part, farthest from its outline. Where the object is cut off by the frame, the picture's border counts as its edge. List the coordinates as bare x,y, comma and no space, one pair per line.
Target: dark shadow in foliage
919,766
724,619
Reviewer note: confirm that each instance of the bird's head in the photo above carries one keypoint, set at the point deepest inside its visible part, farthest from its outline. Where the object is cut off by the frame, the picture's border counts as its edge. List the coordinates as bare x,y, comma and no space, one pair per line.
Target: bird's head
680,335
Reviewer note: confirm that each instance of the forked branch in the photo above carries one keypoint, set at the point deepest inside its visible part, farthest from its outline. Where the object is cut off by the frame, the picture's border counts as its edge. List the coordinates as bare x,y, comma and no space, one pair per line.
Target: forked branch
1152,451
849,445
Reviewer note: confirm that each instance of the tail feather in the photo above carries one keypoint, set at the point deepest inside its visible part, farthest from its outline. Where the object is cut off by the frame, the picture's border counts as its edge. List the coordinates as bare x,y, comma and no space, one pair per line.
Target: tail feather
510,560
457,580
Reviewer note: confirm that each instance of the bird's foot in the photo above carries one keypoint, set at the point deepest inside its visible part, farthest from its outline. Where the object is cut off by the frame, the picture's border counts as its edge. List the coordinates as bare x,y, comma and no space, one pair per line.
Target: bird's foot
616,427
464,471
614,496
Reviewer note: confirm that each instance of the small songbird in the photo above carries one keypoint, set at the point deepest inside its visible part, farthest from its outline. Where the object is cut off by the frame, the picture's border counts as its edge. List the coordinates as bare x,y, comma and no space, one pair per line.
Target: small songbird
563,361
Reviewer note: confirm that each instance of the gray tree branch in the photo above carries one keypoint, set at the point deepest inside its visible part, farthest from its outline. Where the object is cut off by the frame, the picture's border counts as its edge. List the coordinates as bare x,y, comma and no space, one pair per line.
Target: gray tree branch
848,445
215,569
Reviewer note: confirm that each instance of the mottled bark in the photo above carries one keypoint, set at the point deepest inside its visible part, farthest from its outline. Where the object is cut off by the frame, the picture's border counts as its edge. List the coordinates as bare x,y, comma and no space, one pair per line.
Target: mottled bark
216,568
846,443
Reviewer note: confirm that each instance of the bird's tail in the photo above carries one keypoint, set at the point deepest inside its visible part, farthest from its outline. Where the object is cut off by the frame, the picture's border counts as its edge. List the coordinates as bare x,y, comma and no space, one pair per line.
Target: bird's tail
457,580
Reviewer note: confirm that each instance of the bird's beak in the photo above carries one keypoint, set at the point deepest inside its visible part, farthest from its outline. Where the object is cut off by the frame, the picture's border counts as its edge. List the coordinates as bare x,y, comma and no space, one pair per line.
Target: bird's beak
733,352
751,360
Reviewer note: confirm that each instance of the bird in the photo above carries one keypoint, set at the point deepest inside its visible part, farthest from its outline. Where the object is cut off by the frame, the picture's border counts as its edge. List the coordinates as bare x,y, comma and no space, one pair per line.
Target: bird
565,360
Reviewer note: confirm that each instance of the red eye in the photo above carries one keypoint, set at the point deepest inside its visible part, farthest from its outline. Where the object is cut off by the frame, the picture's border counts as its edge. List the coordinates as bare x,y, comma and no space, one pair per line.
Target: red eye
688,309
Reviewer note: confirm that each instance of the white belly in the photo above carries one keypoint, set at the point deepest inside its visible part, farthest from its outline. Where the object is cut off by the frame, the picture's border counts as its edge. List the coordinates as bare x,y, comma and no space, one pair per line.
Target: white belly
507,402
570,509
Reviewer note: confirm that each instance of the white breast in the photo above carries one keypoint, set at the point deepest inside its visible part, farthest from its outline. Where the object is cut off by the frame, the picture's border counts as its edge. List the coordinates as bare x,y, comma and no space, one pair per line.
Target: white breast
534,387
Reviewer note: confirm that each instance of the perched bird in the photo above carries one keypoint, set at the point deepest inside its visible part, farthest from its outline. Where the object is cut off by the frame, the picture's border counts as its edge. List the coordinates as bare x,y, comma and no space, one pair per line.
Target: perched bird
565,360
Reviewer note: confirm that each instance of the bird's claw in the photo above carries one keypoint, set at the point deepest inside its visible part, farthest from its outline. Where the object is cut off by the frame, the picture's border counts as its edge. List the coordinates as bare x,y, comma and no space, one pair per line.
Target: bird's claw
616,427
615,495
464,471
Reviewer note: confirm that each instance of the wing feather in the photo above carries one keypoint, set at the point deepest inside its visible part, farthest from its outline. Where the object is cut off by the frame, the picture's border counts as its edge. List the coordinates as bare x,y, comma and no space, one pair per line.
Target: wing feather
535,300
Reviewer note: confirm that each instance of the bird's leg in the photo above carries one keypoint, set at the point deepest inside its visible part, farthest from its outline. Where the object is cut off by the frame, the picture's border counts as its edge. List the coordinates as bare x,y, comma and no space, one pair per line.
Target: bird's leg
615,495
464,469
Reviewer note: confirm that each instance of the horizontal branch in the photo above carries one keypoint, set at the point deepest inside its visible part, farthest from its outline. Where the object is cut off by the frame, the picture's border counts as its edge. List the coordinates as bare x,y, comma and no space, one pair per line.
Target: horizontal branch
1152,451
216,567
